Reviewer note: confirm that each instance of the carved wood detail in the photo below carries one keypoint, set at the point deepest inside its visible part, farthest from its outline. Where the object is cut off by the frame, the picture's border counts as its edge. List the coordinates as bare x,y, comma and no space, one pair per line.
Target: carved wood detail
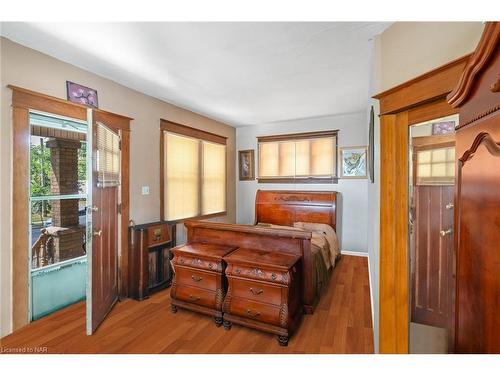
495,86
484,139
284,315
476,63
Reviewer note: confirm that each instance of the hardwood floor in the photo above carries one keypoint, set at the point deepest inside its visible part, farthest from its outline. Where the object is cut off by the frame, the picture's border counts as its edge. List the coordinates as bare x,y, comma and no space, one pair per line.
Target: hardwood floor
342,323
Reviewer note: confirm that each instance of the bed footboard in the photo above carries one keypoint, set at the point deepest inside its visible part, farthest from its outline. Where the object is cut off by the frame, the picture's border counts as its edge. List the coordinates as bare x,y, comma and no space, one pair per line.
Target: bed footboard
269,239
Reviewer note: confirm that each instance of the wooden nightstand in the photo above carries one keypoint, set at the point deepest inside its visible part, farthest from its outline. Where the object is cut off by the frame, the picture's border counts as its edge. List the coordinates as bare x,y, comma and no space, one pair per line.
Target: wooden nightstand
199,283
264,291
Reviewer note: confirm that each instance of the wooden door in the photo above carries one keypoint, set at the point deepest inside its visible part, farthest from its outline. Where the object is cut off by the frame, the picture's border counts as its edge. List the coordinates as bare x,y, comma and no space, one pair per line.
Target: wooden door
103,268
432,254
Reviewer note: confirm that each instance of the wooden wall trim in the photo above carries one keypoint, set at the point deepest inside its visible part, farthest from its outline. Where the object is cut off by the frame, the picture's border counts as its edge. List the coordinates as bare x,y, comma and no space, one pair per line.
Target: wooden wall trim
20,217
174,127
297,136
433,85
112,120
394,301
430,111
125,212
418,100
28,99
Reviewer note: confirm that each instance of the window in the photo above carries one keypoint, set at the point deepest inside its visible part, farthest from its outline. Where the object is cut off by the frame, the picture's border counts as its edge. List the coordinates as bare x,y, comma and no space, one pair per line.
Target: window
298,158
436,166
194,172
108,157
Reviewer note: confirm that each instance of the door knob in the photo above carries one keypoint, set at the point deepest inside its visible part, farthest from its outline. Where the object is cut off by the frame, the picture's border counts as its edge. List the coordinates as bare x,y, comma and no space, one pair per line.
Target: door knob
445,232
91,209
97,233
449,206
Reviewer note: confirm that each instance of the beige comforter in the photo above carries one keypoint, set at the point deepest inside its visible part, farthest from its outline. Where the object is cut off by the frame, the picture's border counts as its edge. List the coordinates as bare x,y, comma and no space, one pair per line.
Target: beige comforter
324,239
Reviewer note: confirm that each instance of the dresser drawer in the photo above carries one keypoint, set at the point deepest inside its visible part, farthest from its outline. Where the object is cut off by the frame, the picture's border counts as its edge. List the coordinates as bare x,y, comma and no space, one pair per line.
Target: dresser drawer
195,295
199,279
250,309
158,234
256,291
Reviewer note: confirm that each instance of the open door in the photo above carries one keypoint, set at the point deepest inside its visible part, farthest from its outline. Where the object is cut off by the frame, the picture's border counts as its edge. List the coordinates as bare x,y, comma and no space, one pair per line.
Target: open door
102,222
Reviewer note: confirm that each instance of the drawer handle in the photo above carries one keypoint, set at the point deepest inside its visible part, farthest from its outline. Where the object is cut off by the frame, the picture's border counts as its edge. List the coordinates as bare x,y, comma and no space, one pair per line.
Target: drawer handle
196,279
254,315
256,292
193,298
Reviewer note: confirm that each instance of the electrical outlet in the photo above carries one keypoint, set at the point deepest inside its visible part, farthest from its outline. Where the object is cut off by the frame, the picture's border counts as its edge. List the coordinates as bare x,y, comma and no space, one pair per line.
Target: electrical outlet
145,190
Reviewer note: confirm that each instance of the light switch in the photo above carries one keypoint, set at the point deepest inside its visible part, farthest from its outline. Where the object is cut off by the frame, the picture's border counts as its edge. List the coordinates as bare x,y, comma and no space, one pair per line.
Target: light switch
145,190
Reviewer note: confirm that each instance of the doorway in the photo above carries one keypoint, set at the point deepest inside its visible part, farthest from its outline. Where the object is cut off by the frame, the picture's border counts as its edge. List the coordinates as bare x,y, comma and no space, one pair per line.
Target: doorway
62,118
431,203
57,199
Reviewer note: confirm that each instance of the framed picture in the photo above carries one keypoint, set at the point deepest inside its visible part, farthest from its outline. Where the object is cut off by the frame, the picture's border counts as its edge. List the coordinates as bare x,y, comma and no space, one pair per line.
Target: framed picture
443,127
371,146
353,162
246,164
82,95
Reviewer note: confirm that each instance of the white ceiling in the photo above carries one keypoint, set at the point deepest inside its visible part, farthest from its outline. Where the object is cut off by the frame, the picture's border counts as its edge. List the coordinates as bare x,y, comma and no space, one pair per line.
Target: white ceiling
239,73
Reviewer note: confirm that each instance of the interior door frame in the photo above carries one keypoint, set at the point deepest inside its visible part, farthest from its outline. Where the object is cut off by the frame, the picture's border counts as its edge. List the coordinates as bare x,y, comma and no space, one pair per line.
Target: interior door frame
24,100
420,99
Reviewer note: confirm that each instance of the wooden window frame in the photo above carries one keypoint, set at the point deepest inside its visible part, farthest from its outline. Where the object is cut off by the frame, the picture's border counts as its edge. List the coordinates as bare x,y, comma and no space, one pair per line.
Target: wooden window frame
418,100
296,137
202,135
24,100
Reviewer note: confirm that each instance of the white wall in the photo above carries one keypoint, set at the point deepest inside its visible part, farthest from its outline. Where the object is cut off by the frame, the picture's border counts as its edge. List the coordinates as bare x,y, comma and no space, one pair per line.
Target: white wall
374,199
354,207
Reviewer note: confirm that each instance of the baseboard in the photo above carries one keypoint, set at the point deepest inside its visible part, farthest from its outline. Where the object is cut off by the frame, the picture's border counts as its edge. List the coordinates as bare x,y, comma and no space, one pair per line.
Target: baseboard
354,253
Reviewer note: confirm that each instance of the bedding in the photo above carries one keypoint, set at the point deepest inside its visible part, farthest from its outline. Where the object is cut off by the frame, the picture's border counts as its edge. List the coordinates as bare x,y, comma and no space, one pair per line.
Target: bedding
324,249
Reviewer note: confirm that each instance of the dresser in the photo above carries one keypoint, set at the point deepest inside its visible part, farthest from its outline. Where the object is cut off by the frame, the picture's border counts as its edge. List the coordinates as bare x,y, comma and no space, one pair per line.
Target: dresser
149,258
199,283
264,291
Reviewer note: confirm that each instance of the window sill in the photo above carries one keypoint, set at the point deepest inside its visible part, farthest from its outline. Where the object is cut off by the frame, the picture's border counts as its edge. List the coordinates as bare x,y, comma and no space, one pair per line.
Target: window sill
333,180
201,217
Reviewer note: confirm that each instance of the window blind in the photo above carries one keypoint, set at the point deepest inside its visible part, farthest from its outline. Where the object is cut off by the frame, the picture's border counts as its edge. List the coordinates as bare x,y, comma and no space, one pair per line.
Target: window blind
298,159
107,157
213,178
436,166
194,176
181,176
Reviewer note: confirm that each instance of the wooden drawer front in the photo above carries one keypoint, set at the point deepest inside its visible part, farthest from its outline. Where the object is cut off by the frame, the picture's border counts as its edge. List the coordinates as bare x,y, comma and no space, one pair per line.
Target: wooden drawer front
195,295
199,279
197,262
260,274
256,291
254,310
158,234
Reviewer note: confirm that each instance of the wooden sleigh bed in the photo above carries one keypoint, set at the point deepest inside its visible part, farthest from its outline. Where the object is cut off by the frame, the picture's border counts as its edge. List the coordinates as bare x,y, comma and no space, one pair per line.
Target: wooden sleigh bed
277,208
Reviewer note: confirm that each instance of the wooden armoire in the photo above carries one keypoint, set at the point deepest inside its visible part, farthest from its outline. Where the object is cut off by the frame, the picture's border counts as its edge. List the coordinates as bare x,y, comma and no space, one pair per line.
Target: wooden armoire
477,199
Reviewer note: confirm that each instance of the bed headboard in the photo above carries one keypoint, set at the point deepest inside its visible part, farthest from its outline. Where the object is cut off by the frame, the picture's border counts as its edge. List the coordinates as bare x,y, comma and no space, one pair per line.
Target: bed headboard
284,207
